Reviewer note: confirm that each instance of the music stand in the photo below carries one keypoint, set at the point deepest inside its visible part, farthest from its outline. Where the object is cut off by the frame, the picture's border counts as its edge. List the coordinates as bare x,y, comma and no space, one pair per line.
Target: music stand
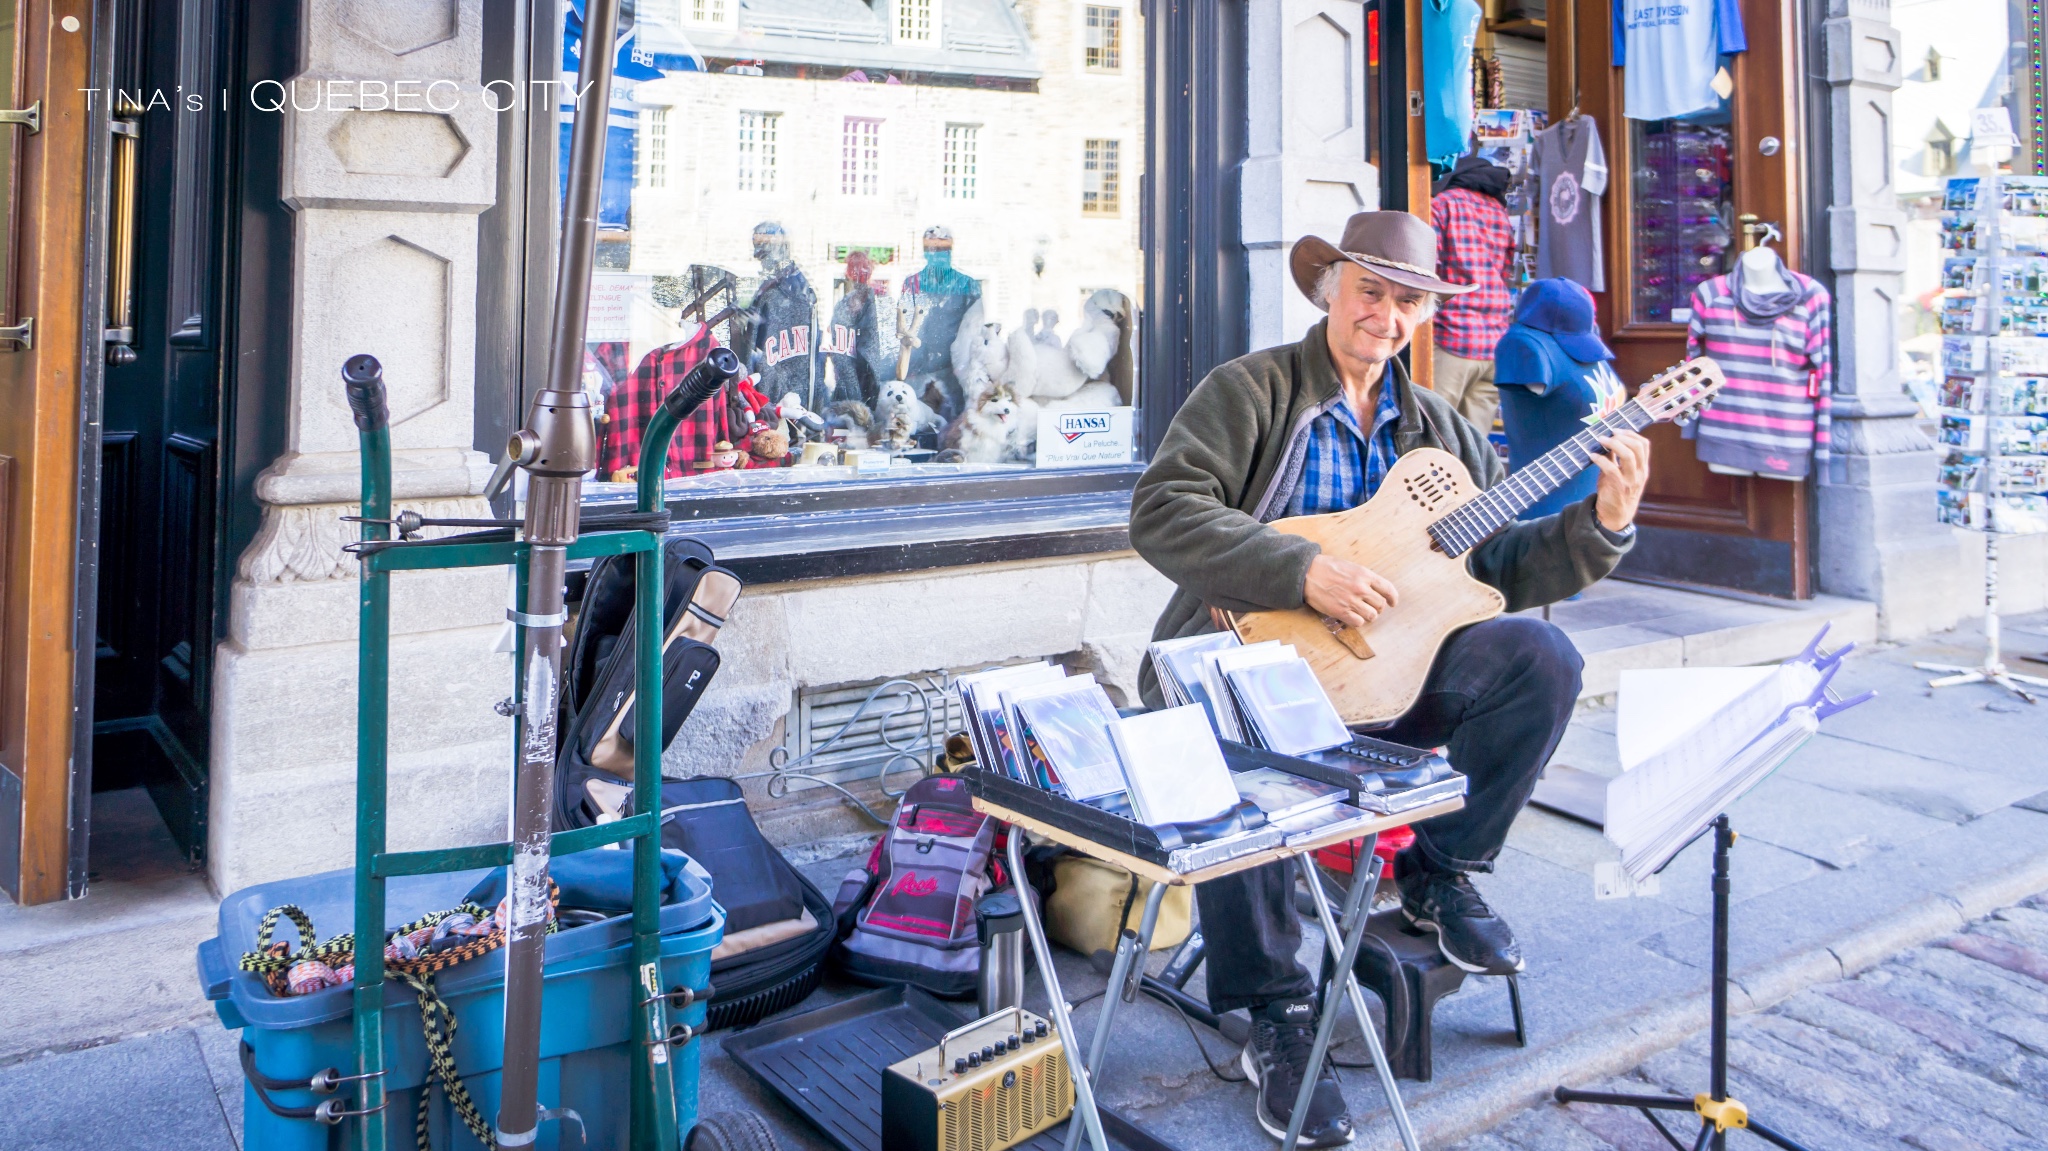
1717,1112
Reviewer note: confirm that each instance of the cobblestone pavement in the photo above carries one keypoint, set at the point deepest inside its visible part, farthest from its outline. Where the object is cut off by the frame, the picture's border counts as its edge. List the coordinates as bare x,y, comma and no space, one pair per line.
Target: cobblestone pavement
1944,1048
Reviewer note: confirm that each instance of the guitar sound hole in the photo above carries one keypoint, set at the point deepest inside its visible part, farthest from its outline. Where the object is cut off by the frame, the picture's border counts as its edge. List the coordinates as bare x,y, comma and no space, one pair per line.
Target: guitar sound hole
1430,488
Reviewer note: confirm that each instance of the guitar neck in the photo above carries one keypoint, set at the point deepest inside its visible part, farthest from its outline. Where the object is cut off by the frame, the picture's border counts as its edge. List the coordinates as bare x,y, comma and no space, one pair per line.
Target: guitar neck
1472,522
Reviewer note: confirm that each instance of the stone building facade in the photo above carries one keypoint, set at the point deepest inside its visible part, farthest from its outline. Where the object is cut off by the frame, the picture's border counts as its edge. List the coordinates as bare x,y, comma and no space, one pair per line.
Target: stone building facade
386,218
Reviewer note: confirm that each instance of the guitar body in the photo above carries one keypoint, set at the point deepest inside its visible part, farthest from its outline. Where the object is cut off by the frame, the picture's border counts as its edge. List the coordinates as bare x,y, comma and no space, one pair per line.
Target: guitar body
1373,674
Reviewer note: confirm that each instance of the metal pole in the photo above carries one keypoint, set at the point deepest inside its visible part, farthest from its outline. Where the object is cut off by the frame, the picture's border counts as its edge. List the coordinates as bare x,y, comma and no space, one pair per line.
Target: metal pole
557,445
364,380
1724,838
1056,1003
1131,950
1362,900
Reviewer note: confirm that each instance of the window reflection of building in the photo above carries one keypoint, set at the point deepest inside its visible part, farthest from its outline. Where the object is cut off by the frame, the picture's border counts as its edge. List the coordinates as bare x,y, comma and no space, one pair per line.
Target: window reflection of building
860,160
1099,177
960,161
754,160
1963,64
1104,48
1008,126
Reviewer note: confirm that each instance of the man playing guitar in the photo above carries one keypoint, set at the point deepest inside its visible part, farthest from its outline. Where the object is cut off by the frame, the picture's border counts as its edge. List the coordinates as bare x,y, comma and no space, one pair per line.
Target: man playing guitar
1311,428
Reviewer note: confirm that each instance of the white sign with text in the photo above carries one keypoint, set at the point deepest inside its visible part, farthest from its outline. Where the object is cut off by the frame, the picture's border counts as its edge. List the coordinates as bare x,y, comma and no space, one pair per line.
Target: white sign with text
1090,438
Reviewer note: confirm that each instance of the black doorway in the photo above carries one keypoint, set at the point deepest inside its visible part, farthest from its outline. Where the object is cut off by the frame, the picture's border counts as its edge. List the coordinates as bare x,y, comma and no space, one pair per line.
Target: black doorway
159,490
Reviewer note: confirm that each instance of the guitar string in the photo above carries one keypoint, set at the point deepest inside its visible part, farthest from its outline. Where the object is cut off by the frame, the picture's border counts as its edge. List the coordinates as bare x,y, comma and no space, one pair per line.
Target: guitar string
1473,522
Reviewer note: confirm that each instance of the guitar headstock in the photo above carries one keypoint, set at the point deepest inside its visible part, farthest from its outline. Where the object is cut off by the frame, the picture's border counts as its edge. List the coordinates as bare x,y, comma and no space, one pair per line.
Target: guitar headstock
1678,394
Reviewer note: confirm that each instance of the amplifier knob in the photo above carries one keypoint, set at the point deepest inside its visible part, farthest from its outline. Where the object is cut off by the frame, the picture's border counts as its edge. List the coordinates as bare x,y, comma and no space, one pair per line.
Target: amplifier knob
987,1054
1014,1042
974,1058
960,1066
1040,1029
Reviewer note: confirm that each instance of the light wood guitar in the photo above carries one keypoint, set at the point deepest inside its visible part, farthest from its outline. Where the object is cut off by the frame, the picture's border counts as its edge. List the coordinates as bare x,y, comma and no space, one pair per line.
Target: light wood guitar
1416,531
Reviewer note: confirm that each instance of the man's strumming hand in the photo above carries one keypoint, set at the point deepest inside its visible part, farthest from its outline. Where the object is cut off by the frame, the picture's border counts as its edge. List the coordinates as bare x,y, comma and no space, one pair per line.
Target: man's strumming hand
1624,469
1351,594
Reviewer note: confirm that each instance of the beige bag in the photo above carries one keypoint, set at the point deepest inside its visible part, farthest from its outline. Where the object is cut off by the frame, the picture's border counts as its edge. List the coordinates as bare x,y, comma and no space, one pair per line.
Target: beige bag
1087,907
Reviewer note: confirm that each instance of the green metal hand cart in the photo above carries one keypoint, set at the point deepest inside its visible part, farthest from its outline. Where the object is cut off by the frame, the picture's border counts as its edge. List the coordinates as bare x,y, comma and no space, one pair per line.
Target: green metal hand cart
655,1122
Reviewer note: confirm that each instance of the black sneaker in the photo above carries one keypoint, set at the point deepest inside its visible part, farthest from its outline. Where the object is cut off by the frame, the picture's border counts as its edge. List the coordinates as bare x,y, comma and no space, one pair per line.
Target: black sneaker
1274,1060
1467,931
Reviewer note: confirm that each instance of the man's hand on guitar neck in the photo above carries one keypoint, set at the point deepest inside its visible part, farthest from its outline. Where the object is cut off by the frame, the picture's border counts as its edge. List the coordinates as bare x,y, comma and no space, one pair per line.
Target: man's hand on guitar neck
1352,594
1624,469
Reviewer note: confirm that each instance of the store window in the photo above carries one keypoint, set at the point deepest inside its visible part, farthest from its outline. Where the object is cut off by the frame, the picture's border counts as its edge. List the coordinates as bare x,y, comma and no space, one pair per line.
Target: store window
1681,196
927,258
1931,114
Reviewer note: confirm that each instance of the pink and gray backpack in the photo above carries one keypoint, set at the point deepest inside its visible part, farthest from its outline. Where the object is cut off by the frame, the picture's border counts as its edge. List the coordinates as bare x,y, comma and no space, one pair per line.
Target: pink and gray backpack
908,916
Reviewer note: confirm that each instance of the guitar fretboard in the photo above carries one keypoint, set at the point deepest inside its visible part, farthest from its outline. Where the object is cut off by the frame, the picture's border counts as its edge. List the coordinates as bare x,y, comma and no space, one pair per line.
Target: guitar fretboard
1473,521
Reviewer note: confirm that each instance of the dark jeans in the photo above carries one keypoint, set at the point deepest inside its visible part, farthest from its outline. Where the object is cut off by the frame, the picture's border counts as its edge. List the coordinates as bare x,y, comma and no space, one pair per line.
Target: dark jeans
1499,696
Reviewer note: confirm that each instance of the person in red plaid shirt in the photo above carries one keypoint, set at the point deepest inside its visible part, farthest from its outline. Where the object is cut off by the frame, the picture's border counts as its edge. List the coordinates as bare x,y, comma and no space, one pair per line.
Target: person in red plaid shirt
633,403
1474,245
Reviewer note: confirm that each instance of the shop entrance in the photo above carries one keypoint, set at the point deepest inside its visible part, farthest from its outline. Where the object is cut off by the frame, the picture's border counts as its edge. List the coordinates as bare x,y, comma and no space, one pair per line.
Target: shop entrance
1671,217
159,550
109,553
1675,198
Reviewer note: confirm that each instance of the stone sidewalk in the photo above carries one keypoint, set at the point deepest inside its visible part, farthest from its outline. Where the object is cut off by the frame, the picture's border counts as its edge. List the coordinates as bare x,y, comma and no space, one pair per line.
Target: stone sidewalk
1944,1048
1909,818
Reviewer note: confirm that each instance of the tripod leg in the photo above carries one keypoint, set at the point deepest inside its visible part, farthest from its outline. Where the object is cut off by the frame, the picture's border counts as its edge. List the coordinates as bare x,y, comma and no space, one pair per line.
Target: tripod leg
1706,1137
1770,1136
1515,1004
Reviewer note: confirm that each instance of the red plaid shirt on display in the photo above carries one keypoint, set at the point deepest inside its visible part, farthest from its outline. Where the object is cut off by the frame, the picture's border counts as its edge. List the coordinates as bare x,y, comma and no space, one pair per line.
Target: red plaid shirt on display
633,403
1474,245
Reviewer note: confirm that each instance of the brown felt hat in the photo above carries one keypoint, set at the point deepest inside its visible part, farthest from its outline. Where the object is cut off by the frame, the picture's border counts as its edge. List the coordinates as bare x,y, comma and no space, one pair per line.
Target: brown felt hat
1395,245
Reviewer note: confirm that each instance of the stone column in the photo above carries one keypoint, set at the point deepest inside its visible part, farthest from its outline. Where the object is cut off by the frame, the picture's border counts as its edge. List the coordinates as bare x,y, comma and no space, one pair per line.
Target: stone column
1878,537
391,153
1306,170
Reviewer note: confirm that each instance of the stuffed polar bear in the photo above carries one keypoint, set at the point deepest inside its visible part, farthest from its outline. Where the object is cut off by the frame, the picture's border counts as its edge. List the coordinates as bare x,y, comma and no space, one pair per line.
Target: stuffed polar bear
900,416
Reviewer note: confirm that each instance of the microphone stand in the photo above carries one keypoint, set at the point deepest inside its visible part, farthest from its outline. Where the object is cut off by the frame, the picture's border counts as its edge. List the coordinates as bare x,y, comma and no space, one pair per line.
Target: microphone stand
556,447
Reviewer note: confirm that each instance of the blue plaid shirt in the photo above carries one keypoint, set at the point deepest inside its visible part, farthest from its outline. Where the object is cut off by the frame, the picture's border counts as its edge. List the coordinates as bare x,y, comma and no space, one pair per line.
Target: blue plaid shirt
1345,465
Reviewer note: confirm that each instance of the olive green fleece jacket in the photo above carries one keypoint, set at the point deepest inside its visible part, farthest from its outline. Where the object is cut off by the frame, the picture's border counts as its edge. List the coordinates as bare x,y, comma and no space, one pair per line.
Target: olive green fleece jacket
1237,449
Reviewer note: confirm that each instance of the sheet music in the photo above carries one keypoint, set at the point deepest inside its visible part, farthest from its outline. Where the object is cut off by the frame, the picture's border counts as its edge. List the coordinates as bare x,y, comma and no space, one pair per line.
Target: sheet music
1694,740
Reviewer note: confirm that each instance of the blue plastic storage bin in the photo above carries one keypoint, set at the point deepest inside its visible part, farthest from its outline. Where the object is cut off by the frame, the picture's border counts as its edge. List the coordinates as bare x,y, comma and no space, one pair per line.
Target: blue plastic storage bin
586,1027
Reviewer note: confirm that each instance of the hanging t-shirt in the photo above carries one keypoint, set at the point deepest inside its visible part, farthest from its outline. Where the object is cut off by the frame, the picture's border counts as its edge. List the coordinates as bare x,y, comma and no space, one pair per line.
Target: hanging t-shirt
1545,397
1571,176
1669,51
1449,29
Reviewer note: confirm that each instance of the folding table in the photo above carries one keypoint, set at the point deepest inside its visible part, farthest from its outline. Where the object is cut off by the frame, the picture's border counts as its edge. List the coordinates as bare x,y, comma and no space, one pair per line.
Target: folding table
1132,949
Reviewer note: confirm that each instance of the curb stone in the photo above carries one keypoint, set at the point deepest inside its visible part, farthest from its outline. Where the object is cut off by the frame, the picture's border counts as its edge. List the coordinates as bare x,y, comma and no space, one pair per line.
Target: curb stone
1619,1045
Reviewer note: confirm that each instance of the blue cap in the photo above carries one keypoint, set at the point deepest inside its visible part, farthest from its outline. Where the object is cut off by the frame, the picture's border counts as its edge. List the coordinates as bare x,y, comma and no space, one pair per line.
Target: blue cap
1564,311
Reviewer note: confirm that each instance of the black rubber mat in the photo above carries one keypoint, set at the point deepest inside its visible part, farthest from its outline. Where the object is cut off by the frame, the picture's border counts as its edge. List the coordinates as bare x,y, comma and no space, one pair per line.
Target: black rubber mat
827,1066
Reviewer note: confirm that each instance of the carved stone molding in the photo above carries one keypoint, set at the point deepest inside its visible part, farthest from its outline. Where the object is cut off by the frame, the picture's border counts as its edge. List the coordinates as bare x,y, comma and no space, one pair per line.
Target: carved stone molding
304,542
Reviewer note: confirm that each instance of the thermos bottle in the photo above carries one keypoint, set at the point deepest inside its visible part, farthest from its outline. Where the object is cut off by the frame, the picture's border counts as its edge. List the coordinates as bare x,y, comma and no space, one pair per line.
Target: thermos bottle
999,923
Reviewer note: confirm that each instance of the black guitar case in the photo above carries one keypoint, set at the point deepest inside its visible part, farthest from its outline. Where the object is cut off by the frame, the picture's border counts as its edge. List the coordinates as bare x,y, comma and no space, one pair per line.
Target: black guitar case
598,701
770,960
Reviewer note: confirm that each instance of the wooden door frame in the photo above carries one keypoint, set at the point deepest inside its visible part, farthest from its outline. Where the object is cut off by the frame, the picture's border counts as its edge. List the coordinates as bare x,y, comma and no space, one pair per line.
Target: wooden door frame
46,616
1767,187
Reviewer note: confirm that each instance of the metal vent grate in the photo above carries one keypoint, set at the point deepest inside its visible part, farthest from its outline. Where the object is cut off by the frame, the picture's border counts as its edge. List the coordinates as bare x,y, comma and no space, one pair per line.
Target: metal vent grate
895,713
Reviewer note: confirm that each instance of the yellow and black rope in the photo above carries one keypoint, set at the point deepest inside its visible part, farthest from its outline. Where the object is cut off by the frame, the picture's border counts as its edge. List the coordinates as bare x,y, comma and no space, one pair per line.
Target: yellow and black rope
273,962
